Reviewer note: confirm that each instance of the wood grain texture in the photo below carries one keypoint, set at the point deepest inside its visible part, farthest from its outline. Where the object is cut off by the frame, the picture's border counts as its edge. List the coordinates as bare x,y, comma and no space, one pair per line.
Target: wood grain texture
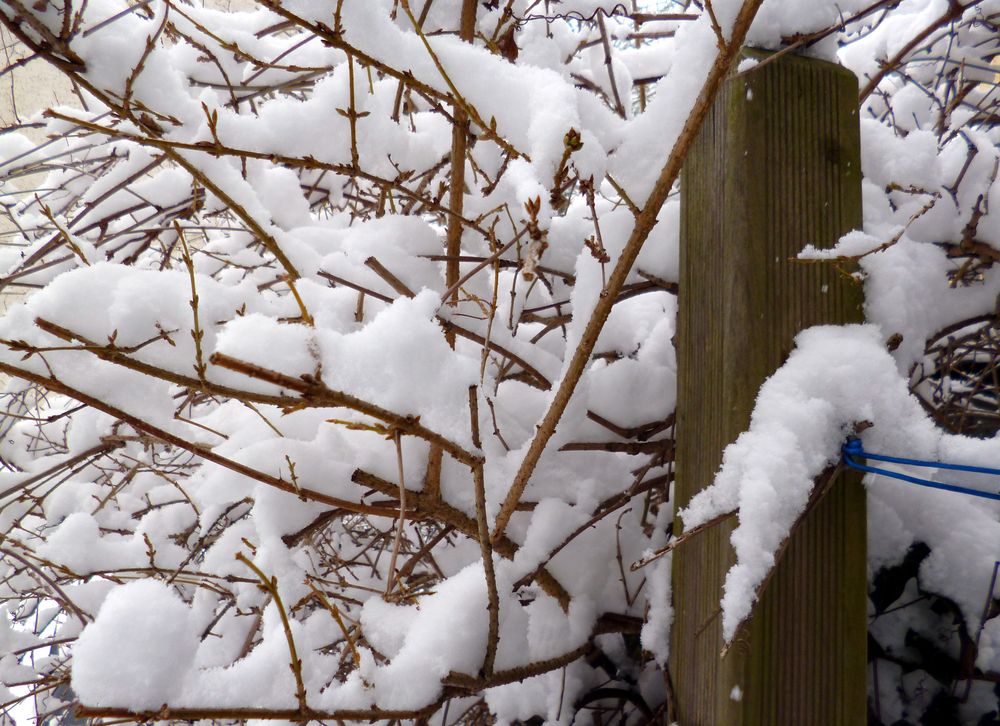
777,165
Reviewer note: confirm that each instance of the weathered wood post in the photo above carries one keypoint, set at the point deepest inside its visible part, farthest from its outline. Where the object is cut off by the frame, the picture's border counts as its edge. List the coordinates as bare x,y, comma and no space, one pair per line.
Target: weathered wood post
776,166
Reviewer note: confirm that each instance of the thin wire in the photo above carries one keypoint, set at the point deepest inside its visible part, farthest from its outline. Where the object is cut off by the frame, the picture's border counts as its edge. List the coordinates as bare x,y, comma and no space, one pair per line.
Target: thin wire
853,448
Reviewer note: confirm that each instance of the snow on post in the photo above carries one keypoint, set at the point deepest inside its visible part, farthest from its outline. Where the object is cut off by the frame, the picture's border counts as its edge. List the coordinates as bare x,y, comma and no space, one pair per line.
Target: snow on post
776,166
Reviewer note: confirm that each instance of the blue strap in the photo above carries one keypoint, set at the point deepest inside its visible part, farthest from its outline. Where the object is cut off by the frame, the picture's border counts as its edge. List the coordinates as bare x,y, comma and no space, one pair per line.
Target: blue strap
854,449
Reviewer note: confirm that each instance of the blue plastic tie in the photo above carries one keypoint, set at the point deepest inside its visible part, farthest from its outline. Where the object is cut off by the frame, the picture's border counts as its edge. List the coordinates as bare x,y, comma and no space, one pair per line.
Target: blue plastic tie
853,449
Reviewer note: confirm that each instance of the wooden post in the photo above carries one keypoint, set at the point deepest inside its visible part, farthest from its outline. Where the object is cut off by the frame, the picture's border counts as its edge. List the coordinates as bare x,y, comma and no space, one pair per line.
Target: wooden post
777,165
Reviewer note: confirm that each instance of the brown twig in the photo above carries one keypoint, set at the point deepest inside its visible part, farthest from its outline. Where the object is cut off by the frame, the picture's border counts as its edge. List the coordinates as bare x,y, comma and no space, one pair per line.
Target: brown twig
681,539
644,224
270,584
453,517
316,393
485,545
390,580
954,11
197,449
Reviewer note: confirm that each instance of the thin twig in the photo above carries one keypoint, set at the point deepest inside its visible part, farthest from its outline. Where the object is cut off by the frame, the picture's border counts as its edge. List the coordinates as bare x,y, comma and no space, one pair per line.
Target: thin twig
485,545
270,584
644,224
390,580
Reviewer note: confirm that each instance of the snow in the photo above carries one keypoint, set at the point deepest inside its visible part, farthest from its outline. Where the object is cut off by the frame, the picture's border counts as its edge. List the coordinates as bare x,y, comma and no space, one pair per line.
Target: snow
195,467
835,378
441,638
138,651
